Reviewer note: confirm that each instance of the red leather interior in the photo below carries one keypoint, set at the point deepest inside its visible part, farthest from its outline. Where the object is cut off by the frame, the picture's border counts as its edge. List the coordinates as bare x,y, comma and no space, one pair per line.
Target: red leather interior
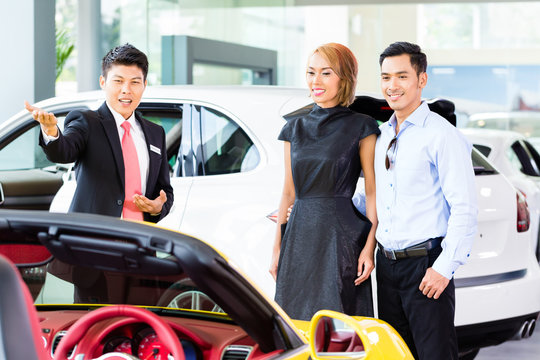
329,339
345,341
80,328
25,253
19,320
323,333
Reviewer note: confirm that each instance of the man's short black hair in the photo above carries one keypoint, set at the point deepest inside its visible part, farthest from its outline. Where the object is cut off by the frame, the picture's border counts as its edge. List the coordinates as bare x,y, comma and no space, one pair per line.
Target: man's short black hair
418,58
126,54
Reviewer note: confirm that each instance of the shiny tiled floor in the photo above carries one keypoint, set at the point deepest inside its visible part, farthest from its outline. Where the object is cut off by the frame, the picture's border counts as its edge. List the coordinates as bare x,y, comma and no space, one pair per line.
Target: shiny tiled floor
526,349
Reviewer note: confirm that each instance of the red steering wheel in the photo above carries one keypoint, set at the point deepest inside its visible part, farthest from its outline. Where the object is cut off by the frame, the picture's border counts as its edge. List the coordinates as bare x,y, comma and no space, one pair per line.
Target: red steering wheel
79,329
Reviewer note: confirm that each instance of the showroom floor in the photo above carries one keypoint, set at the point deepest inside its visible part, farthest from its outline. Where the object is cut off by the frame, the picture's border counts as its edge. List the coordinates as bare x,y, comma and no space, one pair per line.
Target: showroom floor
526,349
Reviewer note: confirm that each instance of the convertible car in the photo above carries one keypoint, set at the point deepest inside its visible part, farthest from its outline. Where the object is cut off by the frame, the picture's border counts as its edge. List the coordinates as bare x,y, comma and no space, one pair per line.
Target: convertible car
227,170
102,288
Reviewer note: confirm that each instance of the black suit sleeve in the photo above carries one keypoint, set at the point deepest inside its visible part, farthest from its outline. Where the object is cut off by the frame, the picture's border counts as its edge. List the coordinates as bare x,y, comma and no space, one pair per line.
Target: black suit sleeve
71,143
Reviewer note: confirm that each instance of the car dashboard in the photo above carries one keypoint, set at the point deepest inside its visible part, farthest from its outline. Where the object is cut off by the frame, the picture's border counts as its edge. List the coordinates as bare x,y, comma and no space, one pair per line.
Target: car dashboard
200,339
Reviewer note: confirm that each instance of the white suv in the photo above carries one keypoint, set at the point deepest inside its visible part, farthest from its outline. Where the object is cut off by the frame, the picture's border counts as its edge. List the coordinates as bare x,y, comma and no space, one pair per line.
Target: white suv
515,157
227,174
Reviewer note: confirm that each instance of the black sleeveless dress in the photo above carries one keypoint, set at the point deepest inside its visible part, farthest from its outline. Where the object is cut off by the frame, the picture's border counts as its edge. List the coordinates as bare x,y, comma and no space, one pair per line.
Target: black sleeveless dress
325,233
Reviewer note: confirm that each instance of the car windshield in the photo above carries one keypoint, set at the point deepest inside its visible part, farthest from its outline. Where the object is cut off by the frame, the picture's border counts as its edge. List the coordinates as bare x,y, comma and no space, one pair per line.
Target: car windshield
58,283
110,262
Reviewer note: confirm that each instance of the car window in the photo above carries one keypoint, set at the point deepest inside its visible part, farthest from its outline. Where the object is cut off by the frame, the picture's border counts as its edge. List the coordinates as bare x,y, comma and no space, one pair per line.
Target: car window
481,165
226,148
522,160
171,121
24,151
485,150
535,157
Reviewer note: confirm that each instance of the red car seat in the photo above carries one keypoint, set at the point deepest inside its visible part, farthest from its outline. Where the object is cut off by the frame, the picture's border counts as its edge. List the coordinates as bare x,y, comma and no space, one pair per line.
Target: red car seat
20,332
323,334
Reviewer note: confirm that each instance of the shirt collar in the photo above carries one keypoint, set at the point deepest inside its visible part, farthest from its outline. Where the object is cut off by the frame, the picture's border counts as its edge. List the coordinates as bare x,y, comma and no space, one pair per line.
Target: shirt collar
417,118
119,119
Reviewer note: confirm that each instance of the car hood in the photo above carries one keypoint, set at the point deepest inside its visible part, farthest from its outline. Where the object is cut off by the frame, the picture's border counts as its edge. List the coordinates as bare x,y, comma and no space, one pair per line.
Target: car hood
106,243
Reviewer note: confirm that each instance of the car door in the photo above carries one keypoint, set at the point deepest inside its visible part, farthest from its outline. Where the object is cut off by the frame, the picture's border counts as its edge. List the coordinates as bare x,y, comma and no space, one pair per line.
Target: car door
175,118
27,179
234,189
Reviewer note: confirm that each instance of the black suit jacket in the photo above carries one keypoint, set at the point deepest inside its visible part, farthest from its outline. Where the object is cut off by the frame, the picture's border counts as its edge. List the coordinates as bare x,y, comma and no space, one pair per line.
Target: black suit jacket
90,139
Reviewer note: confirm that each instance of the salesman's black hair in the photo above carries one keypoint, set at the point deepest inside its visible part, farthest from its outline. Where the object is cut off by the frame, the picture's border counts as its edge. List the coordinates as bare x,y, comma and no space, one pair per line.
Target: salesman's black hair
126,54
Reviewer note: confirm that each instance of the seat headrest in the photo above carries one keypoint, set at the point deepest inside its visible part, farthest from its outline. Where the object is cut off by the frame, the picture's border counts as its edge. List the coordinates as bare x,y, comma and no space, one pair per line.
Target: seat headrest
379,109
16,322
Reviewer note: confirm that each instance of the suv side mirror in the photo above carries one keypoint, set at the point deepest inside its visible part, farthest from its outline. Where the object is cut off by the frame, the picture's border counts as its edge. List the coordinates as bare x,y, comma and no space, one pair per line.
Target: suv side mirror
335,335
1,195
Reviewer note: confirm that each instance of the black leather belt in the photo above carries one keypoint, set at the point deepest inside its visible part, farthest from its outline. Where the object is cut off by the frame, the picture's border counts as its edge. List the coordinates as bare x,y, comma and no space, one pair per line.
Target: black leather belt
412,251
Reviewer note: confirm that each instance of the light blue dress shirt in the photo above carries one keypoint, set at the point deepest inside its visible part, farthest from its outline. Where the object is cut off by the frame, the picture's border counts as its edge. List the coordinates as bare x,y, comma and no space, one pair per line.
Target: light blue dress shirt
429,190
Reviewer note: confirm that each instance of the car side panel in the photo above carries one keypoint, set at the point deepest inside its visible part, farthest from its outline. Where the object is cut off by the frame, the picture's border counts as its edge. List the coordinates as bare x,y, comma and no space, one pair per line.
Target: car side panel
497,248
503,300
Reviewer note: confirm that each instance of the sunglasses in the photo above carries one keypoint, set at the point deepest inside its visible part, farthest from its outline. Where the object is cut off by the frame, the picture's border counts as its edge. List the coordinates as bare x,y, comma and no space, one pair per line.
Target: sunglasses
387,159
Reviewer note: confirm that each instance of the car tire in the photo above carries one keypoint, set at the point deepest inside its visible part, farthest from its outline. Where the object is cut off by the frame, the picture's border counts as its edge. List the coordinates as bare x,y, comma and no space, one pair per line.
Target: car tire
183,294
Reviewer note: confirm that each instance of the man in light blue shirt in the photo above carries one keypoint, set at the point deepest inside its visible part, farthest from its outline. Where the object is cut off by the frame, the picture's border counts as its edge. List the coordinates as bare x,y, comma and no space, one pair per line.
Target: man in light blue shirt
426,207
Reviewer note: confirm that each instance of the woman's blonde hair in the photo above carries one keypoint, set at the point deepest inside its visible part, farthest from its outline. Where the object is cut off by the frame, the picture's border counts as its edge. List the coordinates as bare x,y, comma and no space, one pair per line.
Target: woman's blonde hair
344,64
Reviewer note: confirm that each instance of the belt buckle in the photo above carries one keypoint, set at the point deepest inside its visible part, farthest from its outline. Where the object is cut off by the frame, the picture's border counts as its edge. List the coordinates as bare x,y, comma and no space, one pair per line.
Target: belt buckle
390,254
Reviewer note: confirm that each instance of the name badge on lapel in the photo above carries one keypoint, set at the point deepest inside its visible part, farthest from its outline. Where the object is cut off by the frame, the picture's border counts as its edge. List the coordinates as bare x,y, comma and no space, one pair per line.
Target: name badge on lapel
155,149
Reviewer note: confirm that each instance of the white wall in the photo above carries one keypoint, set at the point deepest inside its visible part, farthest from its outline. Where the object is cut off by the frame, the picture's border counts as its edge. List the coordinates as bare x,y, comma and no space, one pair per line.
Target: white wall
28,54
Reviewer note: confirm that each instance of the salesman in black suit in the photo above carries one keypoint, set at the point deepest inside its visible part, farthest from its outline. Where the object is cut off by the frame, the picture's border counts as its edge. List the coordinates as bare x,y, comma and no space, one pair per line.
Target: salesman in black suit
112,145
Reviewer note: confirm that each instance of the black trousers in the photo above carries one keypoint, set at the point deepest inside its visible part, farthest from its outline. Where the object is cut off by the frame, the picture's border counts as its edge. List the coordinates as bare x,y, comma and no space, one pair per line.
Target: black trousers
426,325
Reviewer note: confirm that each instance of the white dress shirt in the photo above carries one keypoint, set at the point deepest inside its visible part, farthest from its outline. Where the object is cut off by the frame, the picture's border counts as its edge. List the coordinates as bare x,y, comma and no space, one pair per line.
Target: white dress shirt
140,143
429,189
138,138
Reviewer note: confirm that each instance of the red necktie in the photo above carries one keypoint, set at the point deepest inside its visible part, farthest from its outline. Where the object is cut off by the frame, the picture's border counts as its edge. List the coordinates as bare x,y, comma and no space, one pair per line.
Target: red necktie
132,175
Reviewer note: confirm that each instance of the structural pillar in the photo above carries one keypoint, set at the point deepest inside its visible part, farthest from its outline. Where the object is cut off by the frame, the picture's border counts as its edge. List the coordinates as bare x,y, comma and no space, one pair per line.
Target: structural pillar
89,52
28,60
180,52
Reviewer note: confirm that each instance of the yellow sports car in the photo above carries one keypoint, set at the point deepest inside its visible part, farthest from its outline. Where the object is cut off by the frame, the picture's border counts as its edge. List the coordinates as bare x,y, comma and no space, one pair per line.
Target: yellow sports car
110,289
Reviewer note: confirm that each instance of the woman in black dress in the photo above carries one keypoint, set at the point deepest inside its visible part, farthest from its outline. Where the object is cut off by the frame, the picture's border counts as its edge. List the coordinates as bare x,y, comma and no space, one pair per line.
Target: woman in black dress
325,256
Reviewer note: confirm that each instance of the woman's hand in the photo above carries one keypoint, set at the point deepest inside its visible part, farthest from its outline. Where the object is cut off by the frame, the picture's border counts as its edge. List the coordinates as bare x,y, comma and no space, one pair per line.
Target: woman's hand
289,211
274,264
366,264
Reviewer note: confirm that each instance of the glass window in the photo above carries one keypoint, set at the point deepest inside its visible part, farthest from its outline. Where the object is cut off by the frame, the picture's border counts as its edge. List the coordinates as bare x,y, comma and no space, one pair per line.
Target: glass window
481,165
485,150
479,25
171,121
522,160
491,123
527,125
206,74
24,151
534,154
514,160
225,146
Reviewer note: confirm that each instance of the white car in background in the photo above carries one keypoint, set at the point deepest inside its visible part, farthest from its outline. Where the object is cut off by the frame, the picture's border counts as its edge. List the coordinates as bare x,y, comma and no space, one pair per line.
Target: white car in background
227,175
526,123
515,157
